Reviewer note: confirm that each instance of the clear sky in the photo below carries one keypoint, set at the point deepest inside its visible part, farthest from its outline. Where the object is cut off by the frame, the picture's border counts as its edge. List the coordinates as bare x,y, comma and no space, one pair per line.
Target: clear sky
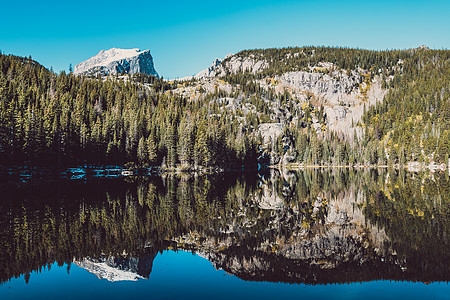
186,36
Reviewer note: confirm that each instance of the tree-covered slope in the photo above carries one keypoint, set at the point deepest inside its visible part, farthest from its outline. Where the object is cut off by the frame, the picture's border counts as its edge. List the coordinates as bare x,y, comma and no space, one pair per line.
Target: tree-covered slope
413,121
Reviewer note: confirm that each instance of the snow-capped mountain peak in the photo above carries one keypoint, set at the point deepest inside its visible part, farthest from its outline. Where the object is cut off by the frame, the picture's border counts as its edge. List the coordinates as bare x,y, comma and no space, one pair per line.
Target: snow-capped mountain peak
115,60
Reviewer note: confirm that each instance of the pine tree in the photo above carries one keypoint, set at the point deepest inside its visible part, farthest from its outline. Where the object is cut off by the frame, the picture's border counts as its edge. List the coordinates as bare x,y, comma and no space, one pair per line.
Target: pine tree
152,149
142,154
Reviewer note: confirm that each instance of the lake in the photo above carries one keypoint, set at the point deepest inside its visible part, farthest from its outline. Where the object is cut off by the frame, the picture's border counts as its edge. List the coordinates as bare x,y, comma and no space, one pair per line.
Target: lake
313,234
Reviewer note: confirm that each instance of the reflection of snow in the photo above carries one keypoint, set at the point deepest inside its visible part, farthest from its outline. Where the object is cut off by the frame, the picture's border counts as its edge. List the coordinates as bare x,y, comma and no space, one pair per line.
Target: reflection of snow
104,271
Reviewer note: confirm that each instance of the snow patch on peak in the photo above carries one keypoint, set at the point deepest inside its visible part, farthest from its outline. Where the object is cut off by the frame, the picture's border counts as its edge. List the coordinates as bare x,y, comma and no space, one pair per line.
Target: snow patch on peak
113,54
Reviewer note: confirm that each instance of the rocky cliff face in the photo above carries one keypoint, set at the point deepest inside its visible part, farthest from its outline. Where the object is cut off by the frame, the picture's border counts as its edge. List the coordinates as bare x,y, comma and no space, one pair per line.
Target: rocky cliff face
235,64
342,94
116,61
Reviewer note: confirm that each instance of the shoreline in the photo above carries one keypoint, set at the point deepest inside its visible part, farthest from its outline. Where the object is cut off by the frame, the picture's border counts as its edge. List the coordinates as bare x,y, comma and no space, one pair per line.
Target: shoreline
109,171
25,173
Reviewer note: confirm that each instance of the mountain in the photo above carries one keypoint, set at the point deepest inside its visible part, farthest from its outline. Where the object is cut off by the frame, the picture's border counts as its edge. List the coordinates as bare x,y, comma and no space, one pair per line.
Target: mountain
340,93
114,61
354,95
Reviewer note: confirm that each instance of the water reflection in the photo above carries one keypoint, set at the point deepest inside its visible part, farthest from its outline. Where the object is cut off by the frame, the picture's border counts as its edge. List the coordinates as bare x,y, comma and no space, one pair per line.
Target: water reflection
309,226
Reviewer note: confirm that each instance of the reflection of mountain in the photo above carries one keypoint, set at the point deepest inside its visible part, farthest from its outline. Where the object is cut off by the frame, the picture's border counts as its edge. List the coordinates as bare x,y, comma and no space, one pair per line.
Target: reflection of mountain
291,230
262,266
119,268
280,235
311,226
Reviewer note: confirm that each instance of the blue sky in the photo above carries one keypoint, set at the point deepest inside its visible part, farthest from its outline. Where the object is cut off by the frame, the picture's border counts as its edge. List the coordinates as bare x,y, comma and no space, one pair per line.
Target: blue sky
185,36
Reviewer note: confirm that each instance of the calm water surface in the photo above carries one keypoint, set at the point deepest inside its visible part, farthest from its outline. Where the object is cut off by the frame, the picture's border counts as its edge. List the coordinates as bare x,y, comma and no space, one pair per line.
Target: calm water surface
308,235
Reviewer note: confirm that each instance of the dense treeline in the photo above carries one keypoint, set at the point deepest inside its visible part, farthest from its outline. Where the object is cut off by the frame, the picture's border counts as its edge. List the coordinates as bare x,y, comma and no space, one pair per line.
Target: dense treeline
63,119
282,60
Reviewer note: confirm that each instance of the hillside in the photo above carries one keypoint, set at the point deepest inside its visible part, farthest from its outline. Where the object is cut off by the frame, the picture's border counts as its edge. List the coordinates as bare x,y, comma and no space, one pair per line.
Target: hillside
381,106
310,105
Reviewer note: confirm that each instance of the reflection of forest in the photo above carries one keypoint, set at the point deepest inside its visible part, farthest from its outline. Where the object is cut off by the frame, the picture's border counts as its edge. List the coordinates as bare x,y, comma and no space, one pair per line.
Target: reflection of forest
311,226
